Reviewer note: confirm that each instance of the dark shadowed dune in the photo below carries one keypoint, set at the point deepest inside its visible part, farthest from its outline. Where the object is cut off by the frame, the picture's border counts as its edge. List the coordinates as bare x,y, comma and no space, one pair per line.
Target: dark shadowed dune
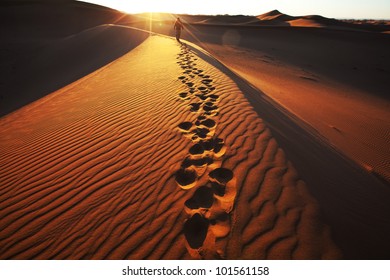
36,35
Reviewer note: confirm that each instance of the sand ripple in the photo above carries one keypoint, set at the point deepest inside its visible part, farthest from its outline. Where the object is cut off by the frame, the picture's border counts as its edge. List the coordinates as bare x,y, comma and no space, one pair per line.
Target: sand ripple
147,158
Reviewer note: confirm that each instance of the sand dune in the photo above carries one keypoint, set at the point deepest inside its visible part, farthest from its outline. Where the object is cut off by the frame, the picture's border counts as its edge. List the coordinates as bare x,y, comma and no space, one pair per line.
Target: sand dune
37,19
47,70
306,22
310,72
339,184
324,66
321,77
149,149
275,15
168,160
37,35
277,18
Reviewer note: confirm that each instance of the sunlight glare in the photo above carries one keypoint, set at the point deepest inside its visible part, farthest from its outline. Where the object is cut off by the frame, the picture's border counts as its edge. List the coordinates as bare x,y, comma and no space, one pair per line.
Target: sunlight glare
149,6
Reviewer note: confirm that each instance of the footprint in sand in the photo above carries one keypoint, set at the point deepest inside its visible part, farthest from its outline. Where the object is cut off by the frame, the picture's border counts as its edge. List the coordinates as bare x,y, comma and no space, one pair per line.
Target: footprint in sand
197,149
195,230
209,107
214,145
195,107
221,175
183,95
186,126
218,189
207,81
202,198
203,89
201,132
220,225
186,178
208,123
202,96
219,147
198,163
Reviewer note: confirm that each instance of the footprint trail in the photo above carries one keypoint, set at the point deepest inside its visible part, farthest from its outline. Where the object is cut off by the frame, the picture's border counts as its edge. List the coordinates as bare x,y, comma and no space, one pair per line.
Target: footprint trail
213,188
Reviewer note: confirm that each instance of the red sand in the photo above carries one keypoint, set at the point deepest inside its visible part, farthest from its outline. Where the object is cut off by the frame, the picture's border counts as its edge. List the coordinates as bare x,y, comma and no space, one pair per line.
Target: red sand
165,153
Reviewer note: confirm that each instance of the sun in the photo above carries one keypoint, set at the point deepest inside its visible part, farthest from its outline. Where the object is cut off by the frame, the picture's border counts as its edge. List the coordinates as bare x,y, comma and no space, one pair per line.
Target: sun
145,6
165,6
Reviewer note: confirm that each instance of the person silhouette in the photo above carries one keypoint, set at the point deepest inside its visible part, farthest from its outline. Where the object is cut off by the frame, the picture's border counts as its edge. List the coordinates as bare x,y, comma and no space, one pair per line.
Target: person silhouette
178,27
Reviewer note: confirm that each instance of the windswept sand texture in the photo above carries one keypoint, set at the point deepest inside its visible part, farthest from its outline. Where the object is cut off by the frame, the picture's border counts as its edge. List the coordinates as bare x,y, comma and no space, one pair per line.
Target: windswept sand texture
131,168
264,138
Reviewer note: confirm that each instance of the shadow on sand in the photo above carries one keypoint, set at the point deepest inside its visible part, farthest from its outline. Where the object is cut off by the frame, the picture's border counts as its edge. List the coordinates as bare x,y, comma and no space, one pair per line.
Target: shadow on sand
353,202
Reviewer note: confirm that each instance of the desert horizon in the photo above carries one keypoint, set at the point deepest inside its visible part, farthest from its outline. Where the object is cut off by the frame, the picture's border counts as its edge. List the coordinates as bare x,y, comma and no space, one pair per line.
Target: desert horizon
245,137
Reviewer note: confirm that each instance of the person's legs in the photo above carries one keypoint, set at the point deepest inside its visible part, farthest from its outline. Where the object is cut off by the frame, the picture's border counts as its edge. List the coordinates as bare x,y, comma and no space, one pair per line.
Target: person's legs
178,34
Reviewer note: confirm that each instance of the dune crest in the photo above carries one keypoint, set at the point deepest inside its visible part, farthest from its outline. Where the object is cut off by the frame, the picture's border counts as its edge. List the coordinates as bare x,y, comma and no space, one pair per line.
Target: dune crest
161,162
275,15
215,189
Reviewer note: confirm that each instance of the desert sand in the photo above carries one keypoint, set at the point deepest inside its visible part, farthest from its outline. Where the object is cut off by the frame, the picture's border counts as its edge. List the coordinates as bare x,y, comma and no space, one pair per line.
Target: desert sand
118,142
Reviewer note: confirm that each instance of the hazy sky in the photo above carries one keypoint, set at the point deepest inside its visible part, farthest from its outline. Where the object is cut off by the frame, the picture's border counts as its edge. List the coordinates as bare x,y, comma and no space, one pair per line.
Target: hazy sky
372,9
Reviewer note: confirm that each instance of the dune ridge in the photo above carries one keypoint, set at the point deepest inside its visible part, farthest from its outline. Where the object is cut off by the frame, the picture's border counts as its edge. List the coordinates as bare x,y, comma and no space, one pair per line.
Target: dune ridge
47,70
165,153
296,65
338,183
272,19
88,156
258,164
94,171
213,199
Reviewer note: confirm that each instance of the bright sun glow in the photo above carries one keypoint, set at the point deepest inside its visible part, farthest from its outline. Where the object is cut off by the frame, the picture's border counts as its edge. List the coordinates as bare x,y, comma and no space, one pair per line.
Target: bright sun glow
167,6
379,9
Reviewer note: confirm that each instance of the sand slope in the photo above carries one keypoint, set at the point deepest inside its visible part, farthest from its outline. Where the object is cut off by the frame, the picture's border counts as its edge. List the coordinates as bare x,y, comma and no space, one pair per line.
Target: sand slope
37,35
321,76
47,70
167,153
353,201
157,155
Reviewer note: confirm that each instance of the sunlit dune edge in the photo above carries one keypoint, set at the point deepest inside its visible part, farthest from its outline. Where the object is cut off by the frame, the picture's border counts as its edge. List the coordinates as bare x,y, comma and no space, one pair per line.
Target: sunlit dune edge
319,74
95,170
130,145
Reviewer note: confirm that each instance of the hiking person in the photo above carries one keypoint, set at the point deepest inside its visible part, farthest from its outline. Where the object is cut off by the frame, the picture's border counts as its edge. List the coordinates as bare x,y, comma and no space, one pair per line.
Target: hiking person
178,27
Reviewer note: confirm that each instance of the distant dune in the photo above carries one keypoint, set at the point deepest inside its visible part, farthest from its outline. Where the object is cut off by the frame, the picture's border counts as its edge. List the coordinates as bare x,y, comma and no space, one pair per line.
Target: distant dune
258,138
277,18
275,15
37,36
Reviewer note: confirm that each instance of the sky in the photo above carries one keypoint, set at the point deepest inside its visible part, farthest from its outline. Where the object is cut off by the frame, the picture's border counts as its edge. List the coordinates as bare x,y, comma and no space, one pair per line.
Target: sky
357,9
